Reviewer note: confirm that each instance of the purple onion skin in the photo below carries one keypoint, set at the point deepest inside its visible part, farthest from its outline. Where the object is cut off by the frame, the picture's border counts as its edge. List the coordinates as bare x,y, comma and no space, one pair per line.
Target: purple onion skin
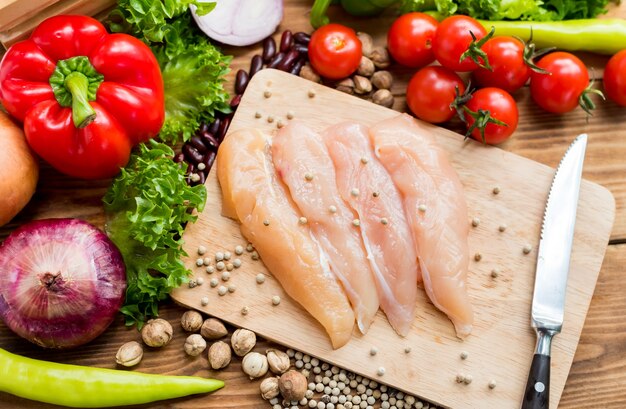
82,299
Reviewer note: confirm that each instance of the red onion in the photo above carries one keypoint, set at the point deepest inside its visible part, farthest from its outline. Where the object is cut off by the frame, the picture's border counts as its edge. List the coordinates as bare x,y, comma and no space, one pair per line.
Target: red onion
241,22
61,282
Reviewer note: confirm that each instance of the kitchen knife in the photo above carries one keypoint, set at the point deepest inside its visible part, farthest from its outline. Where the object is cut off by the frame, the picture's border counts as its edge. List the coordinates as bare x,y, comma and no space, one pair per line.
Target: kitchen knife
555,247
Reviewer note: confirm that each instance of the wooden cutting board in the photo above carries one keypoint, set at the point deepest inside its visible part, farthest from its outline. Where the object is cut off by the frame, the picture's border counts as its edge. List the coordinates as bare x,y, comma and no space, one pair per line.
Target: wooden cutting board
501,347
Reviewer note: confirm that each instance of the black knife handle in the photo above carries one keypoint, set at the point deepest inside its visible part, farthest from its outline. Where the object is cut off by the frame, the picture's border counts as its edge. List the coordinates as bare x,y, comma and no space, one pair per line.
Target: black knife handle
537,395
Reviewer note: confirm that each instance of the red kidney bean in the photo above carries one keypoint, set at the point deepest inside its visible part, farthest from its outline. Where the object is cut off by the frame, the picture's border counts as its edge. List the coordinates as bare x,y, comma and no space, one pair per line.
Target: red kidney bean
255,65
179,157
288,61
192,154
286,41
190,169
224,127
210,141
301,48
277,60
302,38
202,178
204,127
269,49
241,81
208,160
215,126
197,143
295,69
234,103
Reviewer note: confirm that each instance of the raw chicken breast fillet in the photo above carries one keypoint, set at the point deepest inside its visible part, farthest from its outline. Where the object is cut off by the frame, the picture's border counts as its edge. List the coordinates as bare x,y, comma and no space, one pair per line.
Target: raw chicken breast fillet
302,162
365,184
269,220
435,207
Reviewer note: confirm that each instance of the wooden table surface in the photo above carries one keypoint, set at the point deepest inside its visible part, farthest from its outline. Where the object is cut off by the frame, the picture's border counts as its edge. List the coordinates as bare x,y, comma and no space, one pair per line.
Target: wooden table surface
598,375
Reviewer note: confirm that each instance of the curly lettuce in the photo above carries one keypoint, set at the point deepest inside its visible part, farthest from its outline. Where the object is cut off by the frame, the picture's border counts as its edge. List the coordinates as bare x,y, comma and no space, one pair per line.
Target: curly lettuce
536,10
147,208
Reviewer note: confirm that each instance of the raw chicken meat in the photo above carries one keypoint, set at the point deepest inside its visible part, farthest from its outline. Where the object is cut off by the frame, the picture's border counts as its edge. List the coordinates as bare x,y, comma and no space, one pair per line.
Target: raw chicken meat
269,220
365,184
435,207
302,162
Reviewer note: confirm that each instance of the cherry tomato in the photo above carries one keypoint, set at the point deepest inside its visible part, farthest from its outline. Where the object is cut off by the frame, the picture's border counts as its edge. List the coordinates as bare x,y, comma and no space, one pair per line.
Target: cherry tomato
560,91
335,51
615,78
431,91
500,106
453,39
410,39
509,69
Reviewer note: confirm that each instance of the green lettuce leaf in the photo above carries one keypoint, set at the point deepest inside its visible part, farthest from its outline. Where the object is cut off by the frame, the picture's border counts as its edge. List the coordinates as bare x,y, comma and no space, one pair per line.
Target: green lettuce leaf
536,10
193,73
147,208
148,19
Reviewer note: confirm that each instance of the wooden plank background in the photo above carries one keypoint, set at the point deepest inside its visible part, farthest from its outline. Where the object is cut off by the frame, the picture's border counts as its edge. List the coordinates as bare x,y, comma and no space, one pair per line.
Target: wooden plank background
598,376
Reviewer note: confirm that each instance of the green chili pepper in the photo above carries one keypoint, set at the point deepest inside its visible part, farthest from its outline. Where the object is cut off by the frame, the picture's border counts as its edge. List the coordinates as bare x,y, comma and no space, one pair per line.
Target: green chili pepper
362,8
602,36
85,387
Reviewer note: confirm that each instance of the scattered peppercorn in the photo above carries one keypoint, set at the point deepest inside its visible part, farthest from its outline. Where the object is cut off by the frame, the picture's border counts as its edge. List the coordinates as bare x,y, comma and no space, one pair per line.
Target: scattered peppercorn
267,94
475,222
478,256
275,300
204,301
527,249
260,278
496,190
502,228
239,250
245,310
222,290
201,250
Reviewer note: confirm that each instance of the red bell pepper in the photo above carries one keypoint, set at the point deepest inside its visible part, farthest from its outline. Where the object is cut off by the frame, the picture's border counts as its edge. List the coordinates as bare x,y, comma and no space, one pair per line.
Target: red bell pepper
86,97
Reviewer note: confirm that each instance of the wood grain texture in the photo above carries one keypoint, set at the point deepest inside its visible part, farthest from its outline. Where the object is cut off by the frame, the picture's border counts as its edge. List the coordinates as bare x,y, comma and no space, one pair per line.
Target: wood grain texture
597,377
429,371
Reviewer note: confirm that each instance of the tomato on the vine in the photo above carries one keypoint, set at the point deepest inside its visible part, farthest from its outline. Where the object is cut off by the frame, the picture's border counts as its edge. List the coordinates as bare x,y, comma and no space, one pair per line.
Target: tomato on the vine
431,91
335,51
565,87
510,65
615,78
410,39
491,115
453,39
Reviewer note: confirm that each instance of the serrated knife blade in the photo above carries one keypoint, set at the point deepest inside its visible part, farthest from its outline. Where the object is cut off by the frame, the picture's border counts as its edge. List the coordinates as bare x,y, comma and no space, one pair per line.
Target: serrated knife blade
553,258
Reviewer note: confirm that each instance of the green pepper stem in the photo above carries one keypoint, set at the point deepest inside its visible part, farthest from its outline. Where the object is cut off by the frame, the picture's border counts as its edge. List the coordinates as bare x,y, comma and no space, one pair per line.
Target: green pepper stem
318,13
82,112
